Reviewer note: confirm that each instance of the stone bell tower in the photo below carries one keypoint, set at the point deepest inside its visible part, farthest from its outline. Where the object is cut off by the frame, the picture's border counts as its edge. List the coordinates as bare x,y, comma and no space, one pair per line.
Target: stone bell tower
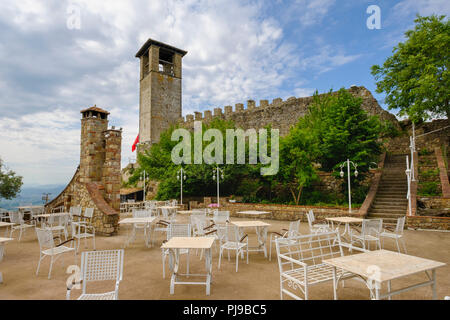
160,90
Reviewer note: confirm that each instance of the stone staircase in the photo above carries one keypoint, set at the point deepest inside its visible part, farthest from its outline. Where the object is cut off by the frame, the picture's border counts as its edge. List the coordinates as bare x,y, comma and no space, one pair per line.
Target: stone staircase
390,202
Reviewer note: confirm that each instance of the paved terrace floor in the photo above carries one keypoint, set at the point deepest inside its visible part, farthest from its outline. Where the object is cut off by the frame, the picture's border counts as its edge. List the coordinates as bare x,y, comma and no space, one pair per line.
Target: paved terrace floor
258,280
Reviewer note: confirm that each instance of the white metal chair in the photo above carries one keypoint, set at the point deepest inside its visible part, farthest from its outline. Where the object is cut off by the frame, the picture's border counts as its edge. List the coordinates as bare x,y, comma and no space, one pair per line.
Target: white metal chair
284,235
220,217
177,230
16,217
74,214
229,237
84,229
315,227
301,265
47,247
58,224
163,225
36,211
143,226
105,265
200,228
397,234
370,232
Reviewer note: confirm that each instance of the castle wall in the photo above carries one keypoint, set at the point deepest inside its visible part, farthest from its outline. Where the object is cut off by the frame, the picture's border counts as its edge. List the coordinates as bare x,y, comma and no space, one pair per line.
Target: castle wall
279,114
111,168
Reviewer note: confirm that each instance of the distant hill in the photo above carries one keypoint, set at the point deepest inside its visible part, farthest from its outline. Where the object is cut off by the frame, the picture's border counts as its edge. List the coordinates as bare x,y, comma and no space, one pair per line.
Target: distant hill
31,195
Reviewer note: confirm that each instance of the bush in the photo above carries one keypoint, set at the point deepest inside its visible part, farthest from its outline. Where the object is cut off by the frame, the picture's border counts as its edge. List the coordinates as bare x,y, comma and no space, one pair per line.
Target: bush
429,189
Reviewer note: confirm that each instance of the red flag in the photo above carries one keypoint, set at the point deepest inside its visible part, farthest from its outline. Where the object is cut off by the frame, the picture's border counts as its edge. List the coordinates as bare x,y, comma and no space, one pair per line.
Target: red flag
133,147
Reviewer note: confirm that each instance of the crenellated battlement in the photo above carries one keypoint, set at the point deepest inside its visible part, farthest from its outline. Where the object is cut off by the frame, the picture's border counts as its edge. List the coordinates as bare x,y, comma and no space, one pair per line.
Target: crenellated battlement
279,113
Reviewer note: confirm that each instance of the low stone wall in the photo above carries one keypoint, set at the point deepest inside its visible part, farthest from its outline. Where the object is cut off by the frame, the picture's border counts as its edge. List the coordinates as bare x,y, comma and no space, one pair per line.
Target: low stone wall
423,222
434,206
287,212
442,173
367,204
88,195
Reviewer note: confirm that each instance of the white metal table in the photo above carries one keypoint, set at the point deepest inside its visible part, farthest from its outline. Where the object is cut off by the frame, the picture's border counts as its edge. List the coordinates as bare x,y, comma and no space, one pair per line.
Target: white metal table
147,221
174,245
49,215
379,266
346,221
261,233
2,249
6,225
254,213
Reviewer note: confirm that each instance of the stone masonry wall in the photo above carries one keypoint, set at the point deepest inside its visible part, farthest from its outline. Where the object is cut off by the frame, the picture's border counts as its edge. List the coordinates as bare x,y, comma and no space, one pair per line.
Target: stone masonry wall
92,153
111,168
280,114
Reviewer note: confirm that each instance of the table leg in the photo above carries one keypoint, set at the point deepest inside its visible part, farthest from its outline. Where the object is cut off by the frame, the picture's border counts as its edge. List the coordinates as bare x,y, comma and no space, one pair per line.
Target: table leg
377,290
389,289
334,284
261,233
175,262
433,286
208,266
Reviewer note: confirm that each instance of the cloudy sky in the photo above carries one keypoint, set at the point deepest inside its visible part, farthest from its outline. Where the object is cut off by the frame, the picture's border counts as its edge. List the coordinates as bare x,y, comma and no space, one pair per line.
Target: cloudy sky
237,50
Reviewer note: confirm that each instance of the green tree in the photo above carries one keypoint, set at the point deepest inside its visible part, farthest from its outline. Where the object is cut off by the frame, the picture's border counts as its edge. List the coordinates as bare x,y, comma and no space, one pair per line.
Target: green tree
346,131
335,129
298,150
10,183
416,77
157,162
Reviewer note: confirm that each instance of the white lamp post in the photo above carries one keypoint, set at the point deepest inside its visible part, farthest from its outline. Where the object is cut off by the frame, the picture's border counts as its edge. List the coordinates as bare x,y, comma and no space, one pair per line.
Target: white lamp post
181,176
349,187
219,173
142,178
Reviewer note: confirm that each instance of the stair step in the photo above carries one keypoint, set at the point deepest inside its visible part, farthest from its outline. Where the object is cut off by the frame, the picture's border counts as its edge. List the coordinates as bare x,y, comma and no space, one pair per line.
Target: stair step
390,203
393,206
394,191
386,215
388,211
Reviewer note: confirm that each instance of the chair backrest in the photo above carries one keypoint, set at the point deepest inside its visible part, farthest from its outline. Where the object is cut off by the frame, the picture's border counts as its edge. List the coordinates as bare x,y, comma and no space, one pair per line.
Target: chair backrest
400,225
179,230
311,218
45,238
131,201
141,213
294,229
310,249
36,211
228,233
101,266
16,217
75,211
221,216
371,227
88,213
165,213
198,225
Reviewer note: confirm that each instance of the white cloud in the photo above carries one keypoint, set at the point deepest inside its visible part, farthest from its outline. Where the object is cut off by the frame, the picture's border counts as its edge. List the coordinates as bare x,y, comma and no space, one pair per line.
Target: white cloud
422,7
235,53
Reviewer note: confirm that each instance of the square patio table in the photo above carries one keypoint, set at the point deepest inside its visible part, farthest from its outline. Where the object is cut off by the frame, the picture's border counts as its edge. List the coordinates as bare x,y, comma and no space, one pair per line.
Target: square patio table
174,245
2,248
346,221
144,220
379,266
261,233
6,225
